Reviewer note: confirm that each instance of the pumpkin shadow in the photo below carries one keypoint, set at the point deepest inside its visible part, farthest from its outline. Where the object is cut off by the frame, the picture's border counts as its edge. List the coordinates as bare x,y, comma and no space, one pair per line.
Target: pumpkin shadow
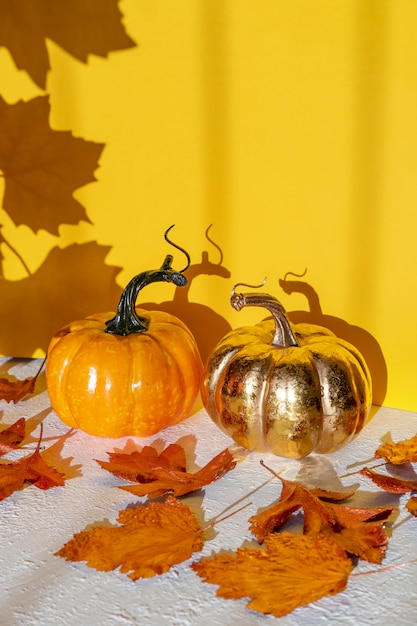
358,337
207,326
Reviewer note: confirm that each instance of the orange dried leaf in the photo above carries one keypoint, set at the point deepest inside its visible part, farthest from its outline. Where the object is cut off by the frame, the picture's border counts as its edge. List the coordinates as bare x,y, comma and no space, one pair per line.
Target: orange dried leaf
291,572
140,465
389,483
31,469
12,437
42,475
165,473
359,531
12,478
412,505
398,453
149,541
294,497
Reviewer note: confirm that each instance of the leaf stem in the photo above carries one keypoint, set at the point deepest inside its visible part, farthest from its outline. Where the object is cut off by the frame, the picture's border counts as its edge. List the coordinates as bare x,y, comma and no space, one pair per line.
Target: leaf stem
359,470
388,568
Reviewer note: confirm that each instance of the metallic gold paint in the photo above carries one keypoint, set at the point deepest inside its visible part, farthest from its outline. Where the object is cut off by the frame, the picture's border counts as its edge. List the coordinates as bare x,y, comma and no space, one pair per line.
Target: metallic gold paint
289,390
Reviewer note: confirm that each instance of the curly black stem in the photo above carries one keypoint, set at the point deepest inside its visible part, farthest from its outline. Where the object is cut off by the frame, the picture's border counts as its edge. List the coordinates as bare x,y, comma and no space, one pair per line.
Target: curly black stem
126,320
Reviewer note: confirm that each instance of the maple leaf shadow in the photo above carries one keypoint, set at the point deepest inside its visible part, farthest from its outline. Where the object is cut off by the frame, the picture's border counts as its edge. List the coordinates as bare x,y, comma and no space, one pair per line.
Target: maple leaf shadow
53,456
358,337
72,283
207,326
43,167
32,424
81,29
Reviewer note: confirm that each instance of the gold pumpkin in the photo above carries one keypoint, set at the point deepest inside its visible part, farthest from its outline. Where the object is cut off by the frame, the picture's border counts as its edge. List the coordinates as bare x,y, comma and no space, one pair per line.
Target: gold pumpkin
286,389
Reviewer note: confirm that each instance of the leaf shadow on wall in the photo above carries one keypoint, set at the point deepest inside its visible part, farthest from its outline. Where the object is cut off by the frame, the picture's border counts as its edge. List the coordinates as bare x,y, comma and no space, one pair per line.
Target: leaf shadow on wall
207,326
358,337
79,28
71,283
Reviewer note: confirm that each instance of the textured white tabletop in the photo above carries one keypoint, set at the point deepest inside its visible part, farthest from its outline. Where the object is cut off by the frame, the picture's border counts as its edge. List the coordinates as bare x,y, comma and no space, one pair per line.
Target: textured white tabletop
39,588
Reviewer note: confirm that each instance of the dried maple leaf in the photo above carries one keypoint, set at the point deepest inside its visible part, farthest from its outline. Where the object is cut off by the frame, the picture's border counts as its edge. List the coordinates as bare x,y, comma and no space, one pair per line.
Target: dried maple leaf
412,505
16,390
81,28
42,167
31,469
398,453
12,437
389,483
359,531
149,541
292,571
165,473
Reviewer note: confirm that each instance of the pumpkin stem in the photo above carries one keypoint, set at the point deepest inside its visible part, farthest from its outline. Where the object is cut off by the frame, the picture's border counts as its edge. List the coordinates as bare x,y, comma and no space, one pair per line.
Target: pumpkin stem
126,320
284,336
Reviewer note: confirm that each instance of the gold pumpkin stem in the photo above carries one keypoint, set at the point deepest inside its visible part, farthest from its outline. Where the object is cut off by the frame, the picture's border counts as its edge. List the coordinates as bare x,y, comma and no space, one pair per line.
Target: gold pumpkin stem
284,337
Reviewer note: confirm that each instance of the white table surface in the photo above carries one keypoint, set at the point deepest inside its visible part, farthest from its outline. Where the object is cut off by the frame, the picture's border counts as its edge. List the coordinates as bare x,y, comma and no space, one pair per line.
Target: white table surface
39,588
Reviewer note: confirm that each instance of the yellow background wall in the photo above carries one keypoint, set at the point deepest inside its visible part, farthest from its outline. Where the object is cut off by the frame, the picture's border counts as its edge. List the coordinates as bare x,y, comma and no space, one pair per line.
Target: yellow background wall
289,125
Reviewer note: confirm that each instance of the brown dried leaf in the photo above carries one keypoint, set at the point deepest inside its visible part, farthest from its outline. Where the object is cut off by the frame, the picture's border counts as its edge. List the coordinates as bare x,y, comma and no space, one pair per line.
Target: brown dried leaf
357,530
42,475
389,483
398,453
165,473
31,469
149,541
292,571
12,437
16,390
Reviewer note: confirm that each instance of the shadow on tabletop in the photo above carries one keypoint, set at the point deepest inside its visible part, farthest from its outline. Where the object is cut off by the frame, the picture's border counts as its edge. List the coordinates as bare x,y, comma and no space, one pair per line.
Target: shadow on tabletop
358,337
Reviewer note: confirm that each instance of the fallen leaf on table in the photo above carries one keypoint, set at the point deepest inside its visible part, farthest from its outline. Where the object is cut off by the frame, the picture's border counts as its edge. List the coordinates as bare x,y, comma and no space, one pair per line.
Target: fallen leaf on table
357,530
293,570
160,474
31,469
398,453
149,541
42,475
12,437
389,483
16,390
412,505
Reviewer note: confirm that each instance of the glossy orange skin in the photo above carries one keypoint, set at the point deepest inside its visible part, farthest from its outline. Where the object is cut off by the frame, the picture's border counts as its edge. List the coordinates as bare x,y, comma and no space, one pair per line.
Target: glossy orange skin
112,385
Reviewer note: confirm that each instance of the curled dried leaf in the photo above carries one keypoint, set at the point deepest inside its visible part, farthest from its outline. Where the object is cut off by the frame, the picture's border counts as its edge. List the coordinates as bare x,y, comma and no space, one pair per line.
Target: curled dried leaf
165,473
389,483
359,531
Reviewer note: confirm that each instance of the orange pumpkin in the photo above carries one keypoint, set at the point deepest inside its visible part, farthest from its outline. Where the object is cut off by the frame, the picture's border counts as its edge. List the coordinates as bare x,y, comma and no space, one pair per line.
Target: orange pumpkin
130,373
